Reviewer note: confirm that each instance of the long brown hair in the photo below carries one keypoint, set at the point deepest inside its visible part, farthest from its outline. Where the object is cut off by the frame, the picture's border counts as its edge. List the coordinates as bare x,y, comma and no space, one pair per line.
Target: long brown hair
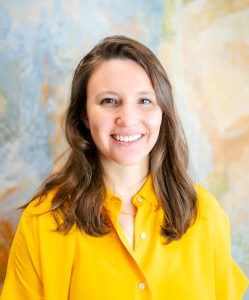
78,187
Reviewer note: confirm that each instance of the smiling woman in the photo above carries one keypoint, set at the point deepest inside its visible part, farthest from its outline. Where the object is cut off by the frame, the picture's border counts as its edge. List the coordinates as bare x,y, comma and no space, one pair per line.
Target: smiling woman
123,115
122,218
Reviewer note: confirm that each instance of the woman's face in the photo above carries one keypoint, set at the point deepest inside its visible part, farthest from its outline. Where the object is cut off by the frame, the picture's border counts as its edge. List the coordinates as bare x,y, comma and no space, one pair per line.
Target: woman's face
123,114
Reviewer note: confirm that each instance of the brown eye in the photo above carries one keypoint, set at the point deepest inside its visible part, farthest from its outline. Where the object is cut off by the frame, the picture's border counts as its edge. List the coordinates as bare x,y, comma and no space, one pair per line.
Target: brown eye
108,101
145,101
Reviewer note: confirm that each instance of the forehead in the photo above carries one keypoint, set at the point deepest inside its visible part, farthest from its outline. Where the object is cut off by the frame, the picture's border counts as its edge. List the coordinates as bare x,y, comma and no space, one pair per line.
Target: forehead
120,74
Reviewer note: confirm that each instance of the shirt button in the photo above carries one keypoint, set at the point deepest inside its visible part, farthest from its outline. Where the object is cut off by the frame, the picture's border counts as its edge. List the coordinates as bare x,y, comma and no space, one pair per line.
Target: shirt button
140,199
141,286
143,235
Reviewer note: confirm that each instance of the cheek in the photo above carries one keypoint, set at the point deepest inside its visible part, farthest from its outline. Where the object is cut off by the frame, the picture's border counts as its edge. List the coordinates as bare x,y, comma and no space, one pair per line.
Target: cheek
155,121
94,120
99,128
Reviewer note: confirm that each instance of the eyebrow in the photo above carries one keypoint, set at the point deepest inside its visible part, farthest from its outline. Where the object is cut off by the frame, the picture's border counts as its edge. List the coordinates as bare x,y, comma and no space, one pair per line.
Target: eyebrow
109,92
146,93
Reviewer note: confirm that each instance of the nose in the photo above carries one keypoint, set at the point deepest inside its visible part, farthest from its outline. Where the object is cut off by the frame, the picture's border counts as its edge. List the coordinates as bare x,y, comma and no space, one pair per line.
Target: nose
126,115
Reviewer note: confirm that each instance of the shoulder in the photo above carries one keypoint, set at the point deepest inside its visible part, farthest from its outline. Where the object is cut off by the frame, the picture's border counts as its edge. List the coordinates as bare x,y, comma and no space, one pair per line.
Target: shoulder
230,282
38,212
38,226
208,206
40,204
212,221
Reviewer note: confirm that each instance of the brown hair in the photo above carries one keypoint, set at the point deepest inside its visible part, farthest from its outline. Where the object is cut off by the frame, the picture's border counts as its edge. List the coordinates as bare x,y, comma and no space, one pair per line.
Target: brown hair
78,186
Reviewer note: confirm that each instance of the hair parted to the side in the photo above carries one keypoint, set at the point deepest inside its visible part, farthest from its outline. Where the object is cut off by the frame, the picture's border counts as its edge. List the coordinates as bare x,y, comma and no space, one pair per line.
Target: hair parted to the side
78,186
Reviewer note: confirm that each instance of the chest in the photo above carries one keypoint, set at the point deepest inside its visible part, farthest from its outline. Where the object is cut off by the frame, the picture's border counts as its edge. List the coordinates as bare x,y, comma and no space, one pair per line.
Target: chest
108,268
127,223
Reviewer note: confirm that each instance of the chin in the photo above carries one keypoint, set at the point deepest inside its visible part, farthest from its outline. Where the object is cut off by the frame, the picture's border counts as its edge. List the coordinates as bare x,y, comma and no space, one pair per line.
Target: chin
130,161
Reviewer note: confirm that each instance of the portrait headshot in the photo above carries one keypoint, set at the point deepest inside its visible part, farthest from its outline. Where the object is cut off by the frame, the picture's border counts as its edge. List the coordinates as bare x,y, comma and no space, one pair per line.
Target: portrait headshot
124,150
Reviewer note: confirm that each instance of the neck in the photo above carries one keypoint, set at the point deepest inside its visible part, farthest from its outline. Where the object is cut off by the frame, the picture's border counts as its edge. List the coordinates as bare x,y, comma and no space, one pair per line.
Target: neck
125,181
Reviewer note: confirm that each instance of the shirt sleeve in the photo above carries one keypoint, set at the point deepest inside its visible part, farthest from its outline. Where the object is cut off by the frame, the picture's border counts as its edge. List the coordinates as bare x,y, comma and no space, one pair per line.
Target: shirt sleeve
230,281
22,278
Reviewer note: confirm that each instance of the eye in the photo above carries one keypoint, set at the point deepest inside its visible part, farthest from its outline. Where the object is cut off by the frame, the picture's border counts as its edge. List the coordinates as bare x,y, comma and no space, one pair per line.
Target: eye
108,101
145,101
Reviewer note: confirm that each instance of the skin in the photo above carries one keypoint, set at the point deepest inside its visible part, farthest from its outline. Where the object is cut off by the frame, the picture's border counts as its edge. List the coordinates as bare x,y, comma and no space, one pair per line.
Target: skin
121,105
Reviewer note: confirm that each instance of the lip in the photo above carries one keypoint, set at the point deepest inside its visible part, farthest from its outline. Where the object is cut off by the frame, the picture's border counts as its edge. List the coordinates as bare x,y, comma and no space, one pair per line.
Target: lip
128,143
126,133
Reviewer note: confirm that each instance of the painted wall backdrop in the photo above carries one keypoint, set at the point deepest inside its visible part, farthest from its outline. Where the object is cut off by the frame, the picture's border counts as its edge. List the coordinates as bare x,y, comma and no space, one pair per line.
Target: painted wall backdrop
204,46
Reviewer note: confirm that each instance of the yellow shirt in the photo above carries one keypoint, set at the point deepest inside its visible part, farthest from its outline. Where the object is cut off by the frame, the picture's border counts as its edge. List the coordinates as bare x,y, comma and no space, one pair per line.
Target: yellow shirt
44,264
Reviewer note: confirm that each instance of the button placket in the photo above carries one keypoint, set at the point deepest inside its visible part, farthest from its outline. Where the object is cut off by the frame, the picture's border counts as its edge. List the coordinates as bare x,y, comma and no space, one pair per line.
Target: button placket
141,286
143,235
140,199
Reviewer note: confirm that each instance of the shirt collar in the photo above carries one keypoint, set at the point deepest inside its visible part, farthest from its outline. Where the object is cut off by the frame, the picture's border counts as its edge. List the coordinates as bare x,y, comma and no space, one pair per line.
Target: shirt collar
146,193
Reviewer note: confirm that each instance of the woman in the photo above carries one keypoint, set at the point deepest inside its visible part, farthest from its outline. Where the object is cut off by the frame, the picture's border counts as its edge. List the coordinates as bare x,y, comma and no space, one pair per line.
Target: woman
122,219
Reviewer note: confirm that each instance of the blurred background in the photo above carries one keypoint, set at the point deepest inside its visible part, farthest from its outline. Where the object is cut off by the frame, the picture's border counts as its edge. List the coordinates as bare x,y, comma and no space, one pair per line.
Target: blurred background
204,46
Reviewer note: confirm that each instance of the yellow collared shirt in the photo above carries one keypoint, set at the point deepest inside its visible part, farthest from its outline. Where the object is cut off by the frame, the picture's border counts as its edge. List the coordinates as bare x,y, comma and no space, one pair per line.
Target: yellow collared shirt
44,264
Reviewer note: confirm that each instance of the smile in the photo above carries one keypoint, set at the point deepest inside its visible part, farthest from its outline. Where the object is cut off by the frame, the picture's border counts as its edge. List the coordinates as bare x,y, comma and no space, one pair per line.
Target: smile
125,138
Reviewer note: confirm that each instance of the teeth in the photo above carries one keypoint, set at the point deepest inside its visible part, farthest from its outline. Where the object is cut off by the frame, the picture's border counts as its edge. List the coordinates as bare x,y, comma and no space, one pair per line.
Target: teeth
125,138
